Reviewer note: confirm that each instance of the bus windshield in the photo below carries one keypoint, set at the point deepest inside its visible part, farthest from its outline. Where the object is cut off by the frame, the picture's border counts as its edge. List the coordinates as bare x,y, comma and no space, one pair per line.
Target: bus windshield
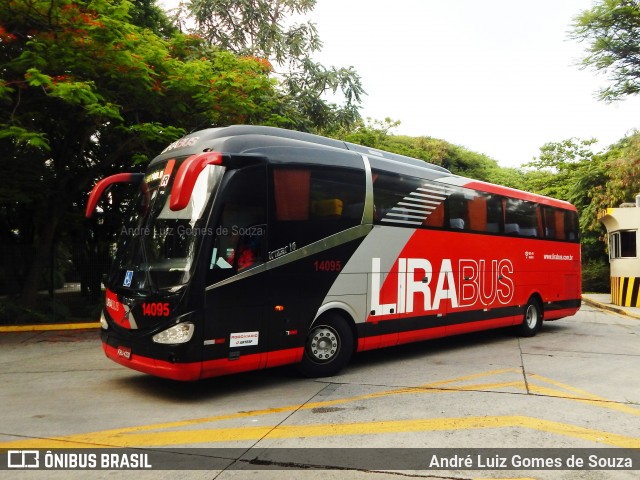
158,246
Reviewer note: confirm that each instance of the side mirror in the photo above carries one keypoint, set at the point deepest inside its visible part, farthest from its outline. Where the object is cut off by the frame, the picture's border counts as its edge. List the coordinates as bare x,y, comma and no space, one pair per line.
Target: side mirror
100,187
187,175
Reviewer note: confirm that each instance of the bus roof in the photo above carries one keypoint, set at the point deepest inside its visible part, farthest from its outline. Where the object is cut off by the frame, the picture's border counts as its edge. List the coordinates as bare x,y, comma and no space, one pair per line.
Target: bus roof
250,137
261,140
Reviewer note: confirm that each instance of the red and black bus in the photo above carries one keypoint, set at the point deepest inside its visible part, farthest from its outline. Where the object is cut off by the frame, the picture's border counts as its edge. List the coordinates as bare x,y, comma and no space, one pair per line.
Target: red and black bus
251,247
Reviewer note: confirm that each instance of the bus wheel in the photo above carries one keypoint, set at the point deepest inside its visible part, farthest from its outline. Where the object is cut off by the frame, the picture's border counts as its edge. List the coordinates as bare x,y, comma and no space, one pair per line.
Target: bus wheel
328,347
532,321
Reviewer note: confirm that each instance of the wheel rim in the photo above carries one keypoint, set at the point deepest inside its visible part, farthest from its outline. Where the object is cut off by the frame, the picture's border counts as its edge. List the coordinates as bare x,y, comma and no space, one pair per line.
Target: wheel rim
531,316
324,344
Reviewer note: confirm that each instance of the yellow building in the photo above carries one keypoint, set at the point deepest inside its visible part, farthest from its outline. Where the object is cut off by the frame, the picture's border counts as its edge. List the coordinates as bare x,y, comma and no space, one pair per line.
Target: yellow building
622,226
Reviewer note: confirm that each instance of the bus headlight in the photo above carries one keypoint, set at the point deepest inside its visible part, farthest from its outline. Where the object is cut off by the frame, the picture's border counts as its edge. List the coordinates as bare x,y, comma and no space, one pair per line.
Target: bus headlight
180,333
103,321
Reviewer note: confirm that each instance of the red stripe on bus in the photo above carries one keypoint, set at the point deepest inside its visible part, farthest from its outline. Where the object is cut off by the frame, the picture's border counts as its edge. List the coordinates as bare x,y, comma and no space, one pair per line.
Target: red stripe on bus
513,193
153,366
561,313
209,368
392,339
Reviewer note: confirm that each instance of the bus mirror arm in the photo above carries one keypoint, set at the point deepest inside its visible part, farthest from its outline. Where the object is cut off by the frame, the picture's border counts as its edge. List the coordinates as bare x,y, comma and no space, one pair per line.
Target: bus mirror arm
101,186
187,175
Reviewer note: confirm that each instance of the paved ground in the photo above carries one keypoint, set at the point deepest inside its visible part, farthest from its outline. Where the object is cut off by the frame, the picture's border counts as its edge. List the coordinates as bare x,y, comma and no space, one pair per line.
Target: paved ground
572,386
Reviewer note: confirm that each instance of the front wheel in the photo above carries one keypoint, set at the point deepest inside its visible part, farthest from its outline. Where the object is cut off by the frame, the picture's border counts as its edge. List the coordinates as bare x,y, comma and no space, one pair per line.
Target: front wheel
532,320
328,347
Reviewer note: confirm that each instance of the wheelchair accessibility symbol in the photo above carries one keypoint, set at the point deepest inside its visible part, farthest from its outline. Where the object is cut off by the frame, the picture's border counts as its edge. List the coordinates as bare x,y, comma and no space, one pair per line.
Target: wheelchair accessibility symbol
127,278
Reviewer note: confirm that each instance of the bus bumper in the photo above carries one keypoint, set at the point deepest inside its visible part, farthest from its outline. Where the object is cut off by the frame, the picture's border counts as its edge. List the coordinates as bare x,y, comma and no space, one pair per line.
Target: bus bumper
152,366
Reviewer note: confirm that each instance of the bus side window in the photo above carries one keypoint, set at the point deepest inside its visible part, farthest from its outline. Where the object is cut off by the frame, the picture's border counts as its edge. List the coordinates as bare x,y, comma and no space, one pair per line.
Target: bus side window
311,203
548,220
478,213
291,190
571,226
436,217
495,214
406,201
521,218
457,210
559,225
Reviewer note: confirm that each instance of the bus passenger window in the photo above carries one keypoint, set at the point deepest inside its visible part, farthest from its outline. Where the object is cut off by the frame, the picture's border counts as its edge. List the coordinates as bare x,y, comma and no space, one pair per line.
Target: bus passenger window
458,211
559,225
405,201
571,226
521,218
436,217
495,215
478,213
291,190
549,222
311,203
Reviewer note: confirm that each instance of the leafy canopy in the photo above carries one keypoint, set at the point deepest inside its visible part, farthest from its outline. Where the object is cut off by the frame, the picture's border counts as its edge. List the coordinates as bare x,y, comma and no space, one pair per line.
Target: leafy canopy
85,92
266,29
612,30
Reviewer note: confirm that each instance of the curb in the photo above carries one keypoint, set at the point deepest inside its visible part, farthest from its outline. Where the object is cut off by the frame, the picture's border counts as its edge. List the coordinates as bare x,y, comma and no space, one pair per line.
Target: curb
609,307
49,327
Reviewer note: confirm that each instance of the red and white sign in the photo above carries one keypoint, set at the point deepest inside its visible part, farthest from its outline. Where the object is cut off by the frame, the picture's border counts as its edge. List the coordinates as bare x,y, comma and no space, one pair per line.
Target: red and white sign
243,339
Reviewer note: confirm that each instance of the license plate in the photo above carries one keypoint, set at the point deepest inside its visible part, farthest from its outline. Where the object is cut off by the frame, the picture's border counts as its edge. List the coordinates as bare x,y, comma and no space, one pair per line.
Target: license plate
124,352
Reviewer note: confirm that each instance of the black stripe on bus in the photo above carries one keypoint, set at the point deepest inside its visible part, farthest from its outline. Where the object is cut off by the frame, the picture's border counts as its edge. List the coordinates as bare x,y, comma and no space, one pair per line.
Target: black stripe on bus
562,304
400,325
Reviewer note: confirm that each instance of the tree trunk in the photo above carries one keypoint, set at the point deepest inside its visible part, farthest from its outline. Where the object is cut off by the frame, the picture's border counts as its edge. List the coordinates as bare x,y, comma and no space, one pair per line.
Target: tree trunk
46,230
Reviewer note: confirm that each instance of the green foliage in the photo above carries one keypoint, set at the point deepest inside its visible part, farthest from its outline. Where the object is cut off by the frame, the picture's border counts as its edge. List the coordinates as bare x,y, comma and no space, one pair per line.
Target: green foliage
612,30
376,134
570,171
553,172
262,29
146,14
595,276
622,165
256,27
85,92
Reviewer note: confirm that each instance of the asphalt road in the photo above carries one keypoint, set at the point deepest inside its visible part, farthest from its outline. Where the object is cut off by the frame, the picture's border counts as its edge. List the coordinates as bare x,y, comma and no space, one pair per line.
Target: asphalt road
573,386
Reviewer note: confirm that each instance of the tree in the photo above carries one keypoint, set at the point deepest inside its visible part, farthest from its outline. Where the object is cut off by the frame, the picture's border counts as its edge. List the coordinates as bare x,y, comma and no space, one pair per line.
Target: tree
570,170
84,92
260,28
612,29
554,172
377,134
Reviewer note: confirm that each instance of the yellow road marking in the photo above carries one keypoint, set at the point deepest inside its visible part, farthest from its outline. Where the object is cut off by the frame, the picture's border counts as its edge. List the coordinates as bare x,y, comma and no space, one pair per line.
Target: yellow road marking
49,326
153,435
119,438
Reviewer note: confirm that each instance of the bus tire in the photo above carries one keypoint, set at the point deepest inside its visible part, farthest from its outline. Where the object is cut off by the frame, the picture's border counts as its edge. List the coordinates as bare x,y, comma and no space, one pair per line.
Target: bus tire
328,347
532,319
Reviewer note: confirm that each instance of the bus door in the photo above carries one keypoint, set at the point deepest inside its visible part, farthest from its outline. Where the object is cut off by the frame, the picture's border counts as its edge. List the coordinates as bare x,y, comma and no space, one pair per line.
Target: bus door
235,295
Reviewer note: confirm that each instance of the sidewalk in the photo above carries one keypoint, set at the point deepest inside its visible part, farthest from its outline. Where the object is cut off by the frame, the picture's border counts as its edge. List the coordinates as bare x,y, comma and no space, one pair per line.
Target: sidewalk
603,301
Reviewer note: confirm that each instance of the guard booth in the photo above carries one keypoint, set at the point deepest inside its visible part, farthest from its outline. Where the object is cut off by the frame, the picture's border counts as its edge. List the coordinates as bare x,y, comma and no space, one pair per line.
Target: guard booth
622,226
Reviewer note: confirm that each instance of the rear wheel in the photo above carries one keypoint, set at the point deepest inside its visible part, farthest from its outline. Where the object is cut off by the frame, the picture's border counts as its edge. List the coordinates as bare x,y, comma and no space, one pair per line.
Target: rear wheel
328,348
532,320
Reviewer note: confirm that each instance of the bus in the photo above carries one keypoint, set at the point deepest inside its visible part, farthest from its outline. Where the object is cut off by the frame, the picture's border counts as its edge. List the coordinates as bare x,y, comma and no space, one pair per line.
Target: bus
250,247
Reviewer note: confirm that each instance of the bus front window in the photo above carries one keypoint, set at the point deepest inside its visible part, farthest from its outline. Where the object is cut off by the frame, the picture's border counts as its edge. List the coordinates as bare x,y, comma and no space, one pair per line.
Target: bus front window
157,246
